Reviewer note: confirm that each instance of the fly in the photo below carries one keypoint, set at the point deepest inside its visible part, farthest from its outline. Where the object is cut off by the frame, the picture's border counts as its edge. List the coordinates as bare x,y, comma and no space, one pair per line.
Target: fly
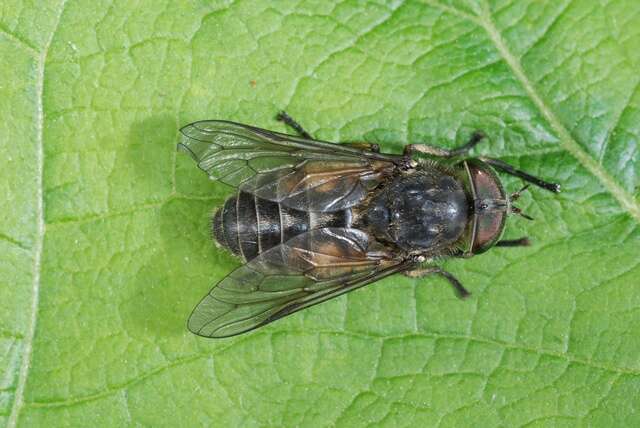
313,220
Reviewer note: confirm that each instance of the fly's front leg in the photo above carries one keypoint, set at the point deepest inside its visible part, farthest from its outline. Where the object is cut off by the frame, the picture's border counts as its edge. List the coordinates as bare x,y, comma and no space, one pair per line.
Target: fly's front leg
444,153
288,120
508,169
459,289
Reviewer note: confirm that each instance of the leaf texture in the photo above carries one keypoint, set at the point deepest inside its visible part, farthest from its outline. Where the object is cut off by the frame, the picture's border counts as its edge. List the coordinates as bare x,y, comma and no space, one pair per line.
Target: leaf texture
104,240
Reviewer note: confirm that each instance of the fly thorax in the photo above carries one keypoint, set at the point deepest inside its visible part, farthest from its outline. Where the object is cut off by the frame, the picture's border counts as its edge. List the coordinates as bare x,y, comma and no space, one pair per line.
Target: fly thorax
422,211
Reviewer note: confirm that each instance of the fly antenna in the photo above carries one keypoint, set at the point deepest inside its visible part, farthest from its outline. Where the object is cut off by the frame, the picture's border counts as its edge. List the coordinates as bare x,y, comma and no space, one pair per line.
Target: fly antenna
516,195
518,211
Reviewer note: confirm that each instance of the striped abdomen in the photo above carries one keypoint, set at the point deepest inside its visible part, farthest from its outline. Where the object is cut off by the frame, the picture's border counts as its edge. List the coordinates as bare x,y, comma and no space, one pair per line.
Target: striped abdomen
248,225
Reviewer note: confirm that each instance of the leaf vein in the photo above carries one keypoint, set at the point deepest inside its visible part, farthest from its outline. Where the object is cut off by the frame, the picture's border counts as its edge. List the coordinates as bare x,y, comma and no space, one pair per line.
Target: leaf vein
567,141
363,335
550,26
616,121
25,365
624,198
19,40
343,48
12,241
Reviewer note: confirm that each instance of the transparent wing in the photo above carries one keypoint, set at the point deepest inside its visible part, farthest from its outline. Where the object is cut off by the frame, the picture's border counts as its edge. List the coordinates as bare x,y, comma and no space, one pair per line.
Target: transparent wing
318,185
299,173
306,270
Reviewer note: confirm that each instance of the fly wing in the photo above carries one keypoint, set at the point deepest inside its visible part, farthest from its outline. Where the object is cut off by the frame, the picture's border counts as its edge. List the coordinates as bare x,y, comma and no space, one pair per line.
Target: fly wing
308,269
302,174
319,185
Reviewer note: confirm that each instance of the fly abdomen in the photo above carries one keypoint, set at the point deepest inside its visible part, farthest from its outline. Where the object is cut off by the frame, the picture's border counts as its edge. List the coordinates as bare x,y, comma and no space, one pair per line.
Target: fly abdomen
235,225
248,225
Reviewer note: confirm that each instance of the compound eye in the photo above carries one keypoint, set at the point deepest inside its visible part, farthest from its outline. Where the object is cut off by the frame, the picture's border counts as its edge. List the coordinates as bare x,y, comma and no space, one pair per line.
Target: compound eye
490,205
489,229
486,183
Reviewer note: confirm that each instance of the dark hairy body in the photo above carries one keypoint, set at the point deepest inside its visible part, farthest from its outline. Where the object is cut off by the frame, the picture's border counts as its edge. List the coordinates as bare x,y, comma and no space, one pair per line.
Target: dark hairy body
313,220
425,209
248,225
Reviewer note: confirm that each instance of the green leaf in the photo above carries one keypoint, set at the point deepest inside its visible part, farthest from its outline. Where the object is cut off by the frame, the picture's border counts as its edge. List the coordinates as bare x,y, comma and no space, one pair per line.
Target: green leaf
104,237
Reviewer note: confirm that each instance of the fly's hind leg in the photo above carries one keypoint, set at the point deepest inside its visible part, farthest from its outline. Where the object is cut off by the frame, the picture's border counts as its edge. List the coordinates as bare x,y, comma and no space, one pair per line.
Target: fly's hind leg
288,120
459,289
445,153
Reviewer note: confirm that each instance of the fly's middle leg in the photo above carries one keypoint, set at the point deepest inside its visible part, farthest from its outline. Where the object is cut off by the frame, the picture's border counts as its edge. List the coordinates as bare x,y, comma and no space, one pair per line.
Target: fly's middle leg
521,242
459,289
445,153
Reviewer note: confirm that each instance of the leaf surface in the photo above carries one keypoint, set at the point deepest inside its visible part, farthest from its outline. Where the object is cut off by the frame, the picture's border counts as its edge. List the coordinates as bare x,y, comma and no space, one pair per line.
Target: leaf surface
104,236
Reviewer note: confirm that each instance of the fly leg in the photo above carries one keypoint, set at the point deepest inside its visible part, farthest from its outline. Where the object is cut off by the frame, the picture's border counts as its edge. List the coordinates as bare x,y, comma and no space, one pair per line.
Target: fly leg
288,120
521,242
508,169
459,289
371,147
444,153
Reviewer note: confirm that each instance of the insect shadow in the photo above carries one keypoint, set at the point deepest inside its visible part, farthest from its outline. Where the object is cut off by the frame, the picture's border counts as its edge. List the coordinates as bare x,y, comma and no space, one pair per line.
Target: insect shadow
176,229
148,160
180,268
